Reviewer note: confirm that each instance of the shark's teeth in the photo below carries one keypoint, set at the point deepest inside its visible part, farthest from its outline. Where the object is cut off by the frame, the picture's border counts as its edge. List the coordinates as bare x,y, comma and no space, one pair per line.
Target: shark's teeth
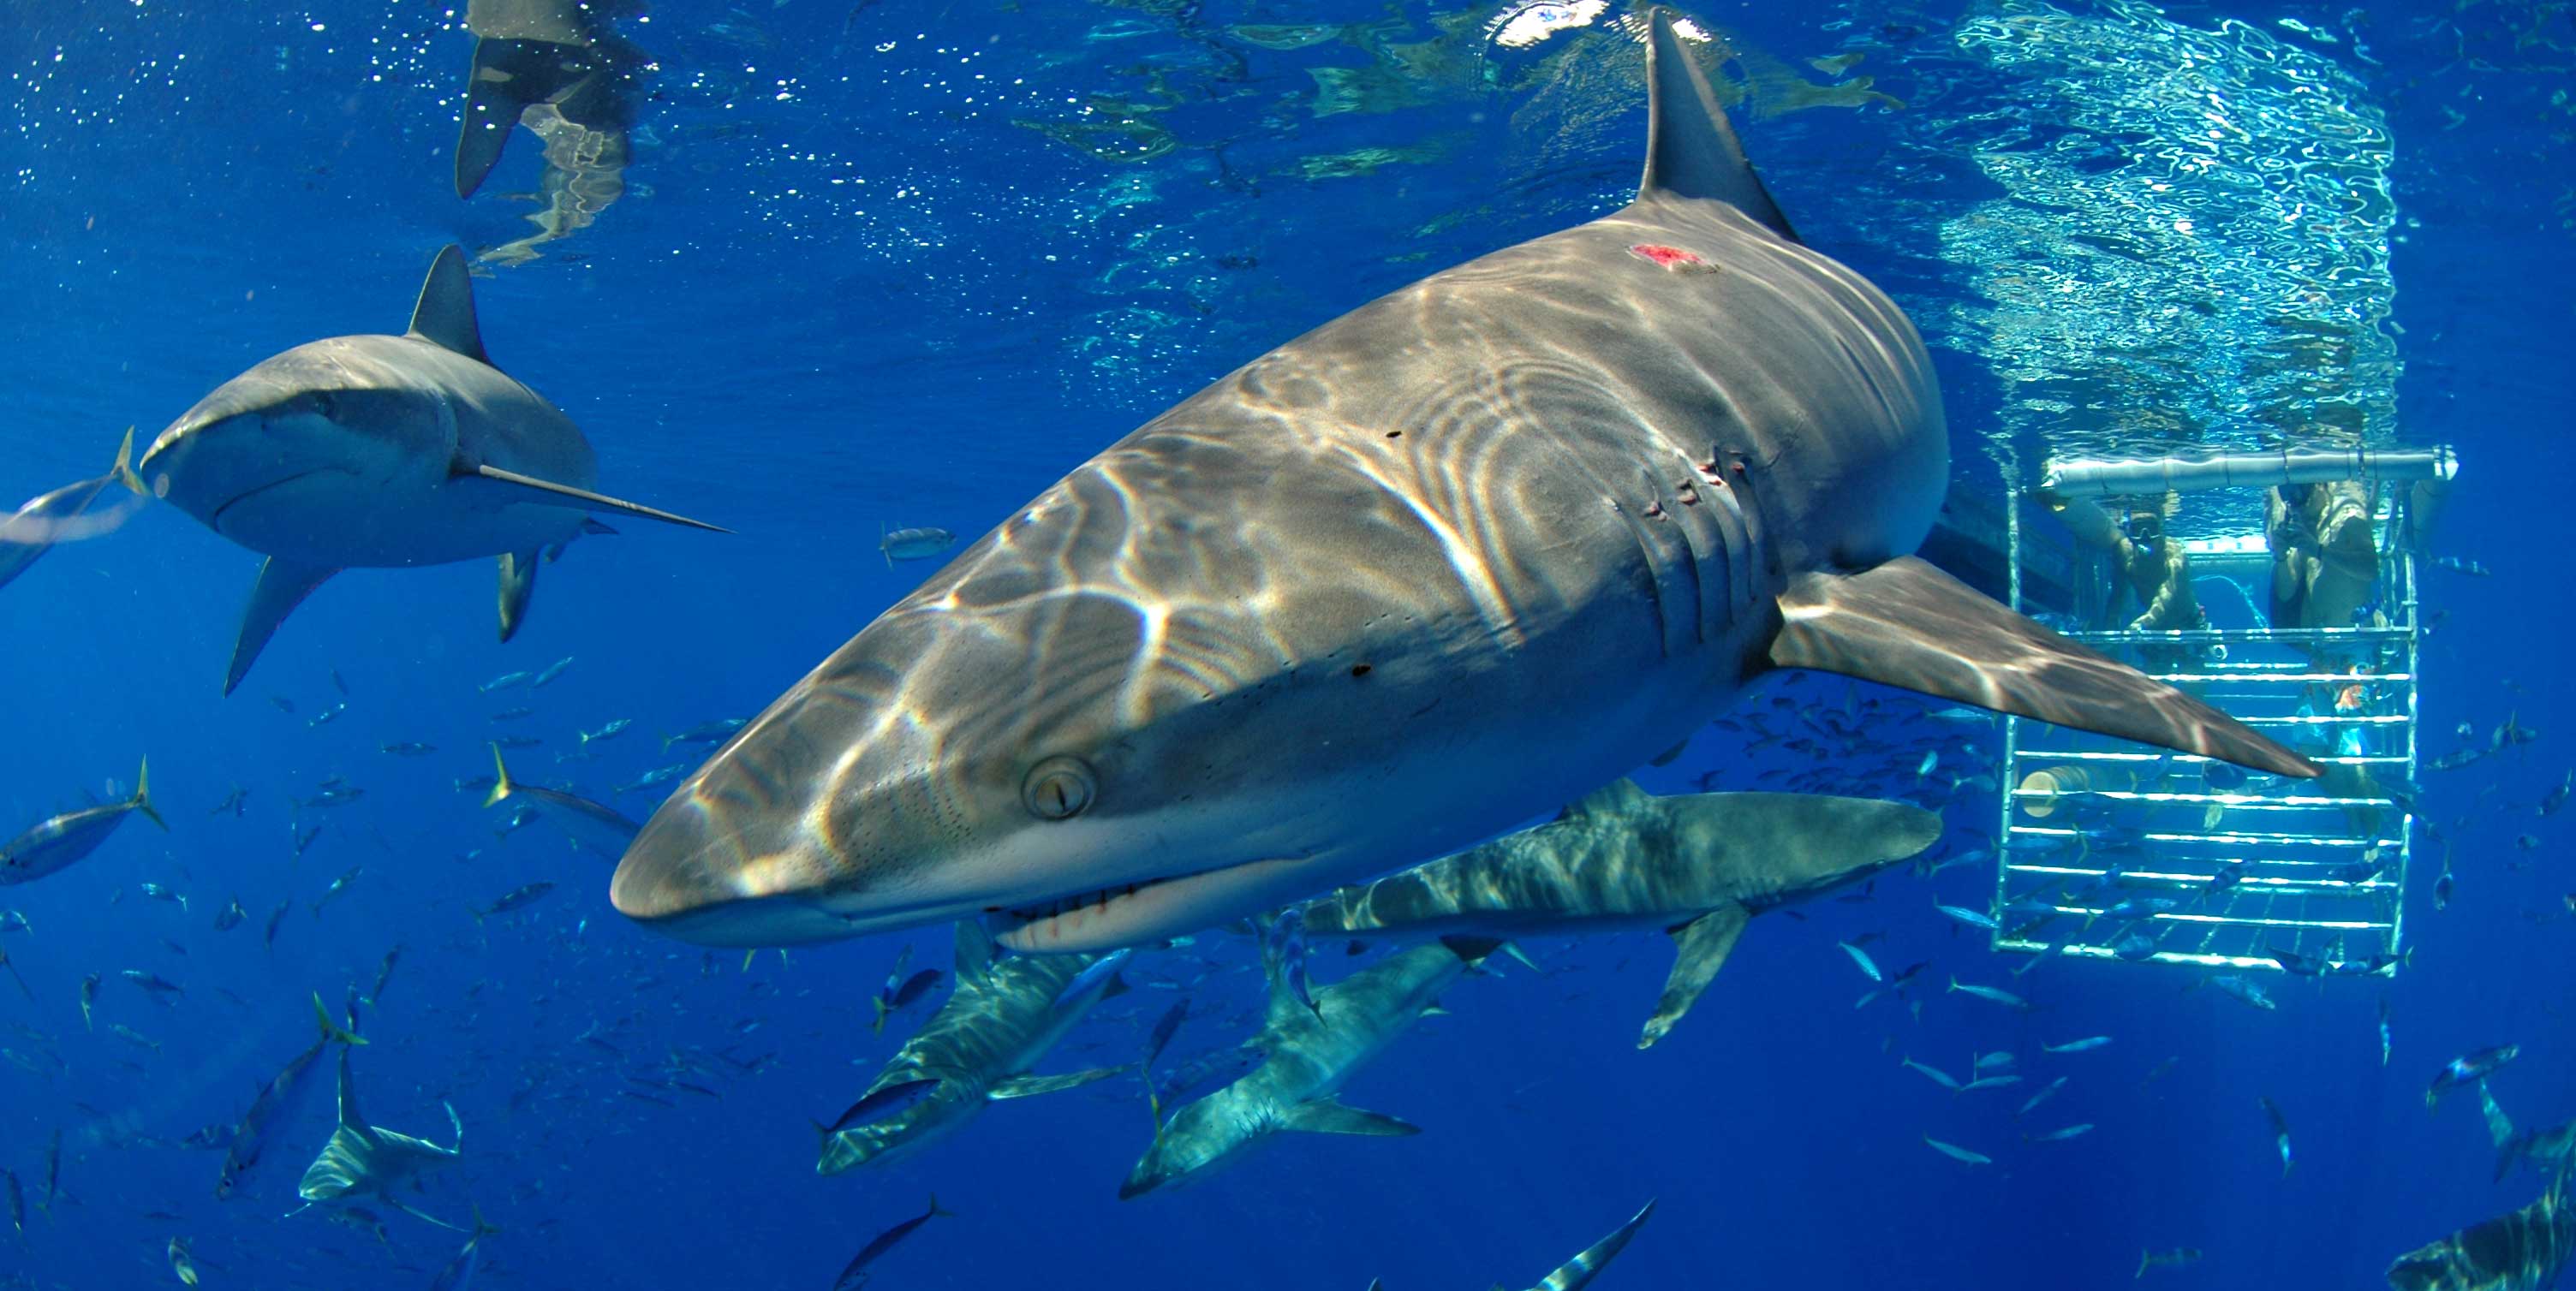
1097,899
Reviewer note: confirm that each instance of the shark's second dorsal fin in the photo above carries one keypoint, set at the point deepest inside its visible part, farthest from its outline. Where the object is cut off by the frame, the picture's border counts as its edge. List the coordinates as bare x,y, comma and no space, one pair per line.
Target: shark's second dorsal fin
1610,799
351,1119
974,952
445,315
1691,149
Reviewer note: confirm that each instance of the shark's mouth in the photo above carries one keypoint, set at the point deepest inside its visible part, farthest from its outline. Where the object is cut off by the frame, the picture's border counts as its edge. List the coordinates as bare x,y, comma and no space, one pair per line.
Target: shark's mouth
215,521
1079,903
1150,910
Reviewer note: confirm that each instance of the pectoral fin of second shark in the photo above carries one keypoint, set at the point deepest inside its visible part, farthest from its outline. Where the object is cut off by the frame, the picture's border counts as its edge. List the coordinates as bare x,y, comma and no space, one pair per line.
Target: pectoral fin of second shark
1334,1118
530,489
1908,624
1701,947
281,586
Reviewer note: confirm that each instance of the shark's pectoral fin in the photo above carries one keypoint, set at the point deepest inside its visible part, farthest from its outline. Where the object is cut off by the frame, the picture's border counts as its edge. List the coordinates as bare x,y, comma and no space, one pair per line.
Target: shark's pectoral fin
518,583
593,526
416,1213
1701,947
282,585
547,493
1029,1086
974,956
1908,624
1333,1118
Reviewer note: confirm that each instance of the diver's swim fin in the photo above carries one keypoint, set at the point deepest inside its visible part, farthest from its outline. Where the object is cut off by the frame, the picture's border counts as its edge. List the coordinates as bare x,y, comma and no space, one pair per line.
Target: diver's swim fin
1905,623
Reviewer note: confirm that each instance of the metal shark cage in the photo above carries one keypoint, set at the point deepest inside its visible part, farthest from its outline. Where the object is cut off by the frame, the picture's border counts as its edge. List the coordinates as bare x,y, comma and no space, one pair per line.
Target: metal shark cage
2109,849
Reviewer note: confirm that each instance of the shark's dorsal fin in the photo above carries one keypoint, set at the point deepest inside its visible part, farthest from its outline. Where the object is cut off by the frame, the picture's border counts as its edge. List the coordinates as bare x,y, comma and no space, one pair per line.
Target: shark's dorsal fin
974,952
445,315
1691,149
1610,799
351,1119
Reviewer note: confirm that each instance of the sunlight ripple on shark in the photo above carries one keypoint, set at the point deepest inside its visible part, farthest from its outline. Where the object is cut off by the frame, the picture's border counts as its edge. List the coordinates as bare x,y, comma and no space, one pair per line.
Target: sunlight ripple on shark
1482,545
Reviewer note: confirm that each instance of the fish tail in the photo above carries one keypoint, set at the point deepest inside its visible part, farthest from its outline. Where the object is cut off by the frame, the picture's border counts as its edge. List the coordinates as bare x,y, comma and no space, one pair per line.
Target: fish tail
2145,1258
143,795
878,1027
501,785
935,1210
123,471
332,1030
482,1226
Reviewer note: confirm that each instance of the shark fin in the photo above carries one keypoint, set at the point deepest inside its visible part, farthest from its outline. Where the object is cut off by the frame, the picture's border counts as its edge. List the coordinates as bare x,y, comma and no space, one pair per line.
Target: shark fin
518,583
593,526
1031,1086
507,77
351,1119
408,1209
445,315
1669,756
281,586
548,493
1701,947
123,471
331,1030
1907,624
456,1123
1579,1271
1691,149
501,788
1611,799
142,800
1334,1118
974,952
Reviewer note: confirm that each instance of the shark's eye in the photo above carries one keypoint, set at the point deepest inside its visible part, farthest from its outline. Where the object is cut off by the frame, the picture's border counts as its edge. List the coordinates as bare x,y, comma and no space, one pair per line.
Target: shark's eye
1058,788
325,405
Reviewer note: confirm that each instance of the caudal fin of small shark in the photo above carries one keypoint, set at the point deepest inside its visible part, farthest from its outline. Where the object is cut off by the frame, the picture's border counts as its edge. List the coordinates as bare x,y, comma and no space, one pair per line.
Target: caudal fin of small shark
1907,624
1578,1272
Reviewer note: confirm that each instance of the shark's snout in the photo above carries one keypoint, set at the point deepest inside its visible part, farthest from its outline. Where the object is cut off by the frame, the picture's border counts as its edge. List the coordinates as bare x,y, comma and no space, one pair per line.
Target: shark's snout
690,875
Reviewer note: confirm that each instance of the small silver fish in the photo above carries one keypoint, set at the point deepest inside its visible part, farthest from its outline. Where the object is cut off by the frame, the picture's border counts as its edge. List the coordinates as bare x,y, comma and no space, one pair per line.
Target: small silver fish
1994,993
1861,958
914,544
1957,1153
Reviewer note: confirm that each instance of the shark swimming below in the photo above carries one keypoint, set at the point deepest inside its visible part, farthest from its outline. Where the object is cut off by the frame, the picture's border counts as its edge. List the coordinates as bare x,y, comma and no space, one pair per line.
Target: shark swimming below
1003,1016
1492,540
1698,865
383,451
1311,1052
362,1160
1578,1273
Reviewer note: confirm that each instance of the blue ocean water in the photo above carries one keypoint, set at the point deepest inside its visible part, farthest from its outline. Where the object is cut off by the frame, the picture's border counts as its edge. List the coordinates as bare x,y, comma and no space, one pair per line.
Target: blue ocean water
891,265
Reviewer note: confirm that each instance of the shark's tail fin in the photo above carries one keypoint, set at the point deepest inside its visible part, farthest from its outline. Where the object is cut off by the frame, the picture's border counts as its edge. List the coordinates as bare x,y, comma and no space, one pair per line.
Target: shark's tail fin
123,471
333,1030
142,800
501,786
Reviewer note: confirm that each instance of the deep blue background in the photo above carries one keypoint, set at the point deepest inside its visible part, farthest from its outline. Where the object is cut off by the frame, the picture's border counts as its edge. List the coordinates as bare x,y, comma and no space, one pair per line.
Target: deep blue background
752,343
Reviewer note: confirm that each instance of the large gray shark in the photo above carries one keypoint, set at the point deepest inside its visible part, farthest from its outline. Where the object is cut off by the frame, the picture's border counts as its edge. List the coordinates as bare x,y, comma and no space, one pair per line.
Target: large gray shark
2522,1251
383,451
362,1160
1311,1053
1002,1017
1492,540
1577,1273
1699,865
